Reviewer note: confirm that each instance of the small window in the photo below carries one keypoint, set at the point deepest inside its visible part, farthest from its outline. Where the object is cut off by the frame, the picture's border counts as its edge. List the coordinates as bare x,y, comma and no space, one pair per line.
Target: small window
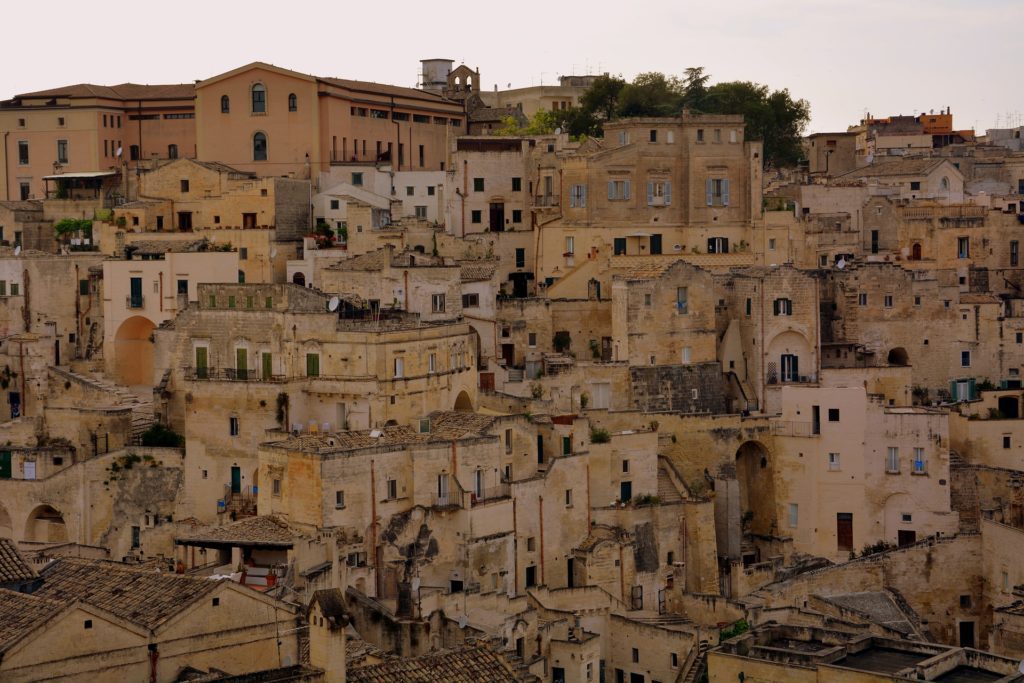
172,151
399,367
312,365
259,147
259,99
233,426
888,300
184,186
783,307
478,184
675,660
965,359
833,414
430,190
476,216
862,299
771,244
653,136
335,204
437,303
225,104
915,185
215,602
794,515
87,623
568,498
531,339
275,487
682,300
243,254
833,461
410,191
357,178
293,102
625,466
965,601
339,500
700,135
1006,441
636,655
530,544
517,184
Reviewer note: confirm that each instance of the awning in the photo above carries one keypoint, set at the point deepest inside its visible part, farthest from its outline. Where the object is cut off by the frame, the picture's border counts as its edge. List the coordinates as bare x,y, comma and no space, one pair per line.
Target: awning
86,174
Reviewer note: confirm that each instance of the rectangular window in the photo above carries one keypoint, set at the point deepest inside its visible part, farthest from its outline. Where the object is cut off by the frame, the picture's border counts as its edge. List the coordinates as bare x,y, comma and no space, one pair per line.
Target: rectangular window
783,307
243,253
410,191
888,300
476,216
682,300
531,339
771,244
833,462
437,303
392,489
517,215
478,184
653,136
794,515
62,151
233,426
432,363
184,185
717,191
399,367
965,359
312,365
892,460
421,212
23,152
570,245
275,487
577,196
833,414
700,135
470,300
963,247
919,461
915,184
335,204
339,500
520,257
618,190
862,299
659,193
517,184
1014,253
357,178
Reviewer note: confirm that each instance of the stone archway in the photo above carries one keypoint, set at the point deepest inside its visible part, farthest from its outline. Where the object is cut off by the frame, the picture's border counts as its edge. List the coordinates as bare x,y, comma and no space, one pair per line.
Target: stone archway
46,525
756,475
6,527
133,351
898,356
299,278
463,402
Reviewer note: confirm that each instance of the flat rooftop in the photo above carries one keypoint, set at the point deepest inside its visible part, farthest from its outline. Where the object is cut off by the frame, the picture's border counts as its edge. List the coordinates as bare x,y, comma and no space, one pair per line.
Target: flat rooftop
882,660
968,674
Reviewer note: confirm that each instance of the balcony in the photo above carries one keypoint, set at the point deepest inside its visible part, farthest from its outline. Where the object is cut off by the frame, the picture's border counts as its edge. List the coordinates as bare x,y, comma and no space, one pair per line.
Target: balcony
790,428
546,200
135,301
490,494
230,375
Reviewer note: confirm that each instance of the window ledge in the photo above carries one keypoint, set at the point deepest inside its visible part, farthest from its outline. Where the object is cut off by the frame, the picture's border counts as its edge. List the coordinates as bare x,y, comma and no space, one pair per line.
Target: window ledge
919,474
888,471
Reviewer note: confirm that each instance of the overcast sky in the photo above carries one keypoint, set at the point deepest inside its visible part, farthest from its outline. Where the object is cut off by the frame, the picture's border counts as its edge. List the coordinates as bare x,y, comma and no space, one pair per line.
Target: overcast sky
846,57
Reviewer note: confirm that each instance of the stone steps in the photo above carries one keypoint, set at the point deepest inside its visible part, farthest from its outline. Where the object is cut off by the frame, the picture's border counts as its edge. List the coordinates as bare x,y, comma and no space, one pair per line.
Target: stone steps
667,491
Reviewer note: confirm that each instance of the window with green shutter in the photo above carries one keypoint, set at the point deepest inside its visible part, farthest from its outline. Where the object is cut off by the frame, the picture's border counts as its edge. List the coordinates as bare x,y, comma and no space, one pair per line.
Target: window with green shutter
312,365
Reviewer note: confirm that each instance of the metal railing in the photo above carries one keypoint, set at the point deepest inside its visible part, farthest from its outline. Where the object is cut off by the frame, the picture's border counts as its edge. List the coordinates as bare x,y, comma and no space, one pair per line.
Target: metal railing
131,301
789,428
502,490
453,497
230,375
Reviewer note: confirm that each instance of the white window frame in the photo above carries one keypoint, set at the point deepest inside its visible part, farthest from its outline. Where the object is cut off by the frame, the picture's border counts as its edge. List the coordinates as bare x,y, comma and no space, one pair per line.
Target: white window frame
920,465
437,303
399,367
794,515
892,460
834,462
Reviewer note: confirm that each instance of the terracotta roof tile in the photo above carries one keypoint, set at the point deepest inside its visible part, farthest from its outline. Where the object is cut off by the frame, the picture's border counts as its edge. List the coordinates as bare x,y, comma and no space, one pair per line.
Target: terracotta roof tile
477,271
13,567
146,598
264,530
20,613
124,91
471,664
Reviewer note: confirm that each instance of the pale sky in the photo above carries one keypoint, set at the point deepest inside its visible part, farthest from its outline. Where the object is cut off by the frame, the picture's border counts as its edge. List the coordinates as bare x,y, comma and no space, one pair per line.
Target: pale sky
846,57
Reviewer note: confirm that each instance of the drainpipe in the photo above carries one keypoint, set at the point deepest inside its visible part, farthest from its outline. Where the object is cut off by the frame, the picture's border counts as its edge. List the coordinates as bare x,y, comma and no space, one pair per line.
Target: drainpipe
78,315
7,177
465,190
373,529
588,496
405,291
515,550
161,291
540,504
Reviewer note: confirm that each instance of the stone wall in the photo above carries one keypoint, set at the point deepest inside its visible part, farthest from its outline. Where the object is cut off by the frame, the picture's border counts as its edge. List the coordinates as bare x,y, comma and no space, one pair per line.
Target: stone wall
687,389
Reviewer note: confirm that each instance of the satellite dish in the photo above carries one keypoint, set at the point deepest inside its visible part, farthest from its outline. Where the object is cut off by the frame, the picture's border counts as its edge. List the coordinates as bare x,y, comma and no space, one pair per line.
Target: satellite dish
273,253
841,263
677,247
1021,667
332,305
17,250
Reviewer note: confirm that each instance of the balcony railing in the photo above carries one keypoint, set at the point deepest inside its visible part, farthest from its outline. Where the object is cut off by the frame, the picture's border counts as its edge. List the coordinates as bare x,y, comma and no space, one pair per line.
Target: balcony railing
486,495
230,375
788,428
454,496
546,200
132,301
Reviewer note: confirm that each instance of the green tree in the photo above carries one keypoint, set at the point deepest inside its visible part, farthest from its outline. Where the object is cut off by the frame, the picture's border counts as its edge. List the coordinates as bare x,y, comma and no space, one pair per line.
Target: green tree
651,94
773,117
695,87
601,100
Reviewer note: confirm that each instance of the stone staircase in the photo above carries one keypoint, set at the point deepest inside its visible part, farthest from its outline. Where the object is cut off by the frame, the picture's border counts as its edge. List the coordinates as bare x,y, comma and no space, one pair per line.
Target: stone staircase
963,494
697,668
120,396
667,491
515,375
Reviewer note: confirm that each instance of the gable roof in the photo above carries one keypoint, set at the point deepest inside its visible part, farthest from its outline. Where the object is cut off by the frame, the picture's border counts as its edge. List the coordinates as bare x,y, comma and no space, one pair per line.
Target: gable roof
265,530
477,271
145,598
13,567
470,664
903,167
332,605
124,91
457,424
21,613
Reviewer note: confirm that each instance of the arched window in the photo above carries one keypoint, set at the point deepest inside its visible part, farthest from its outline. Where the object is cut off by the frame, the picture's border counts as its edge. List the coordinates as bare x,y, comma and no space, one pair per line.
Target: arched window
172,151
293,102
225,104
259,99
259,147
241,276
944,183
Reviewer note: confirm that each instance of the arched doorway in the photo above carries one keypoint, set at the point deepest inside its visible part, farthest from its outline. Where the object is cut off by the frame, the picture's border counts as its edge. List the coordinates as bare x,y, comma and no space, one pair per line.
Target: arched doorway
915,252
133,351
1009,407
46,525
6,529
299,279
755,473
463,402
790,359
898,356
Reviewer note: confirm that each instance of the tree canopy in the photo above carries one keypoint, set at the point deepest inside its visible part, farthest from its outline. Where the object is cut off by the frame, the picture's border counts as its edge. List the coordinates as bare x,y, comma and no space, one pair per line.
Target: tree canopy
772,116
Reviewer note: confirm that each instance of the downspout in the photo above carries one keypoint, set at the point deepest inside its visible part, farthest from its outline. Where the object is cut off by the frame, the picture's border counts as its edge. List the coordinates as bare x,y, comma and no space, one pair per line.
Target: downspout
7,177
515,550
161,291
78,315
588,496
405,291
540,505
764,354
465,190
373,529
622,577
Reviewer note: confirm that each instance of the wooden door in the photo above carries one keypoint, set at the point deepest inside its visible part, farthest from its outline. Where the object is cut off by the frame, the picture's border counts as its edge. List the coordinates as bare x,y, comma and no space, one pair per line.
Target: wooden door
844,530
